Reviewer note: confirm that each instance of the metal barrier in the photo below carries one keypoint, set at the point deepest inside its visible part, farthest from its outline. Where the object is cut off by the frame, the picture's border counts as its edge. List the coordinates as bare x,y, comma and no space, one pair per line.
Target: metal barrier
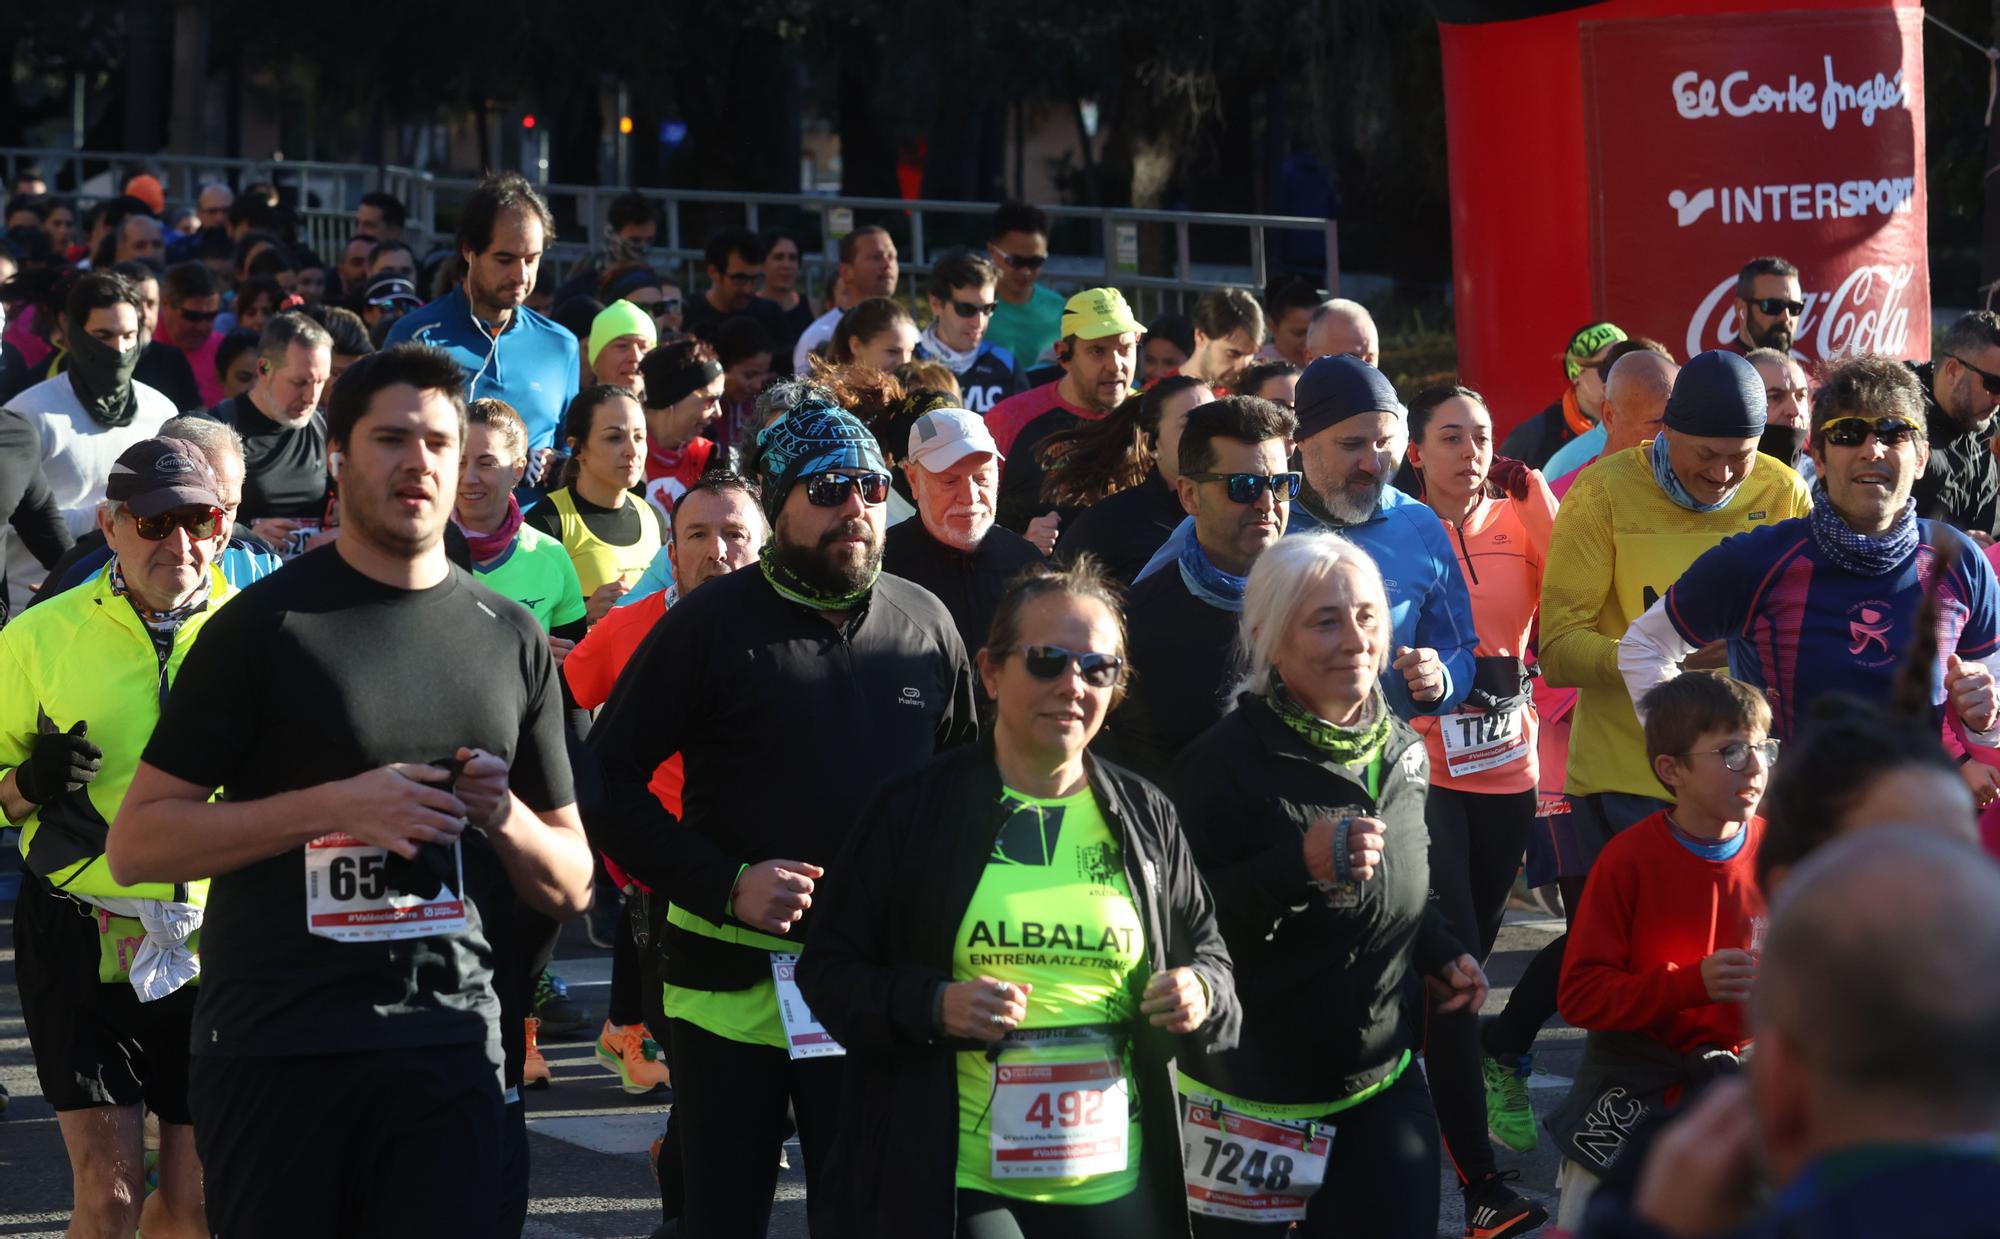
324,195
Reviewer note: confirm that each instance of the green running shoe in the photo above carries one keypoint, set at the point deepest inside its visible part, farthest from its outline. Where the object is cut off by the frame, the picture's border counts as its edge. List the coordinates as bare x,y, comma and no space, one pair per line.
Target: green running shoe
1510,1117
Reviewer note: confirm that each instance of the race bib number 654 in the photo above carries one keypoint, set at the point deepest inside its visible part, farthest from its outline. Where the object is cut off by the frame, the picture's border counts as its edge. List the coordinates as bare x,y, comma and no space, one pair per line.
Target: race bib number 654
348,897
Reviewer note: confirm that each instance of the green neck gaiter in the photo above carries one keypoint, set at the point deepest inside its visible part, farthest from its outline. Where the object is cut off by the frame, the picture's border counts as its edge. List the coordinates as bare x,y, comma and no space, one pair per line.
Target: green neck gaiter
1350,746
791,588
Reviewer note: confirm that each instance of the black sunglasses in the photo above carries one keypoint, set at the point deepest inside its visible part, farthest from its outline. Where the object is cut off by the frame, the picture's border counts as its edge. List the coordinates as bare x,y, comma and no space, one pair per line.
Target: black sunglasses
1246,487
201,524
661,309
830,490
1773,306
1992,381
1024,262
200,316
966,309
1853,431
1049,662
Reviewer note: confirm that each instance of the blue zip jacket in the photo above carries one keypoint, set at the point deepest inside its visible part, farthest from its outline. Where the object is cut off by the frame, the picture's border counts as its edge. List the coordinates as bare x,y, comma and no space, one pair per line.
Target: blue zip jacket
1428,602
534,365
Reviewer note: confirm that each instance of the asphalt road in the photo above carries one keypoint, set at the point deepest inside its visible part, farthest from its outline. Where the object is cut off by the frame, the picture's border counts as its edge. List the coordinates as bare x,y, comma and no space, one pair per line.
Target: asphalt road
588,1140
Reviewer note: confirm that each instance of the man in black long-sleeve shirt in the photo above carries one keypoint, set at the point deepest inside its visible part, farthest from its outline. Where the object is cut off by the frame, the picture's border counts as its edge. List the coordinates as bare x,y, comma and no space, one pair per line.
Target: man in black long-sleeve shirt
951,546
1182,620
790,694
1961,486
25,497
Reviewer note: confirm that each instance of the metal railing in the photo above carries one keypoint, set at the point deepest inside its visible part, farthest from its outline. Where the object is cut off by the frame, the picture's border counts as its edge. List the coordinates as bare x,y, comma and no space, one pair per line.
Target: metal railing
1121,244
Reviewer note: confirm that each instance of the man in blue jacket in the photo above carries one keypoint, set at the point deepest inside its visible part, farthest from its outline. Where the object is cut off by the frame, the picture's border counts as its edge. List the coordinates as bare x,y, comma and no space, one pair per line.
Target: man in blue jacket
1351,439
508,351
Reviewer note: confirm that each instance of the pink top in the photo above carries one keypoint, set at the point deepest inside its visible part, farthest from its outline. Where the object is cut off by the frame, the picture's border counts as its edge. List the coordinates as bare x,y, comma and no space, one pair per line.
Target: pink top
202,362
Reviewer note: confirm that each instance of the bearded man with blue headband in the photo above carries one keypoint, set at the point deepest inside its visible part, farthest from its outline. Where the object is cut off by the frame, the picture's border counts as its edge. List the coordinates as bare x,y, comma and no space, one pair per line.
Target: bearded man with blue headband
790,693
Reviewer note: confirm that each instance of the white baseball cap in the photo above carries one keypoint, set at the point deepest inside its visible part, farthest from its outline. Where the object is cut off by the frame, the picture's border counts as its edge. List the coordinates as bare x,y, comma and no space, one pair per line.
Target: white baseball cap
943,437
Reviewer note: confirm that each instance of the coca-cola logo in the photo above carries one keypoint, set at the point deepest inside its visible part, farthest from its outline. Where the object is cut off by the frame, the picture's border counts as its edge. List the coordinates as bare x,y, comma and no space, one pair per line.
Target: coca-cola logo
1865,314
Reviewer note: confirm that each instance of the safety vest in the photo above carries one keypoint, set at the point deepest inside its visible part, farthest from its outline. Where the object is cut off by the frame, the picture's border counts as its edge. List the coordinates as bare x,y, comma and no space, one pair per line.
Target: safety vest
86,656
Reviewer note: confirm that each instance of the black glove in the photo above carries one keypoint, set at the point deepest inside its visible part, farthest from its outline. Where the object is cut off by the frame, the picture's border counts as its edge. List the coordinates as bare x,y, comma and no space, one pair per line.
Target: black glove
58,762
1499,684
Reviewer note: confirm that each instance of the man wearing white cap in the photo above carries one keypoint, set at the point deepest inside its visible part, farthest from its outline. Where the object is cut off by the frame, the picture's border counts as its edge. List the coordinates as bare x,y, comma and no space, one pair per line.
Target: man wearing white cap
953,548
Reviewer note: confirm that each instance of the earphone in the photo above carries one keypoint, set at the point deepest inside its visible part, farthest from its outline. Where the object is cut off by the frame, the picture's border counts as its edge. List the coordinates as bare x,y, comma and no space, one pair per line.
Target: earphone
333,460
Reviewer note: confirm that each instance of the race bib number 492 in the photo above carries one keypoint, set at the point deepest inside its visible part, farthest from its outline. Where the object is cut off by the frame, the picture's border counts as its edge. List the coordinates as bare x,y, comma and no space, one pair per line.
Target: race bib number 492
348,898
1060,1120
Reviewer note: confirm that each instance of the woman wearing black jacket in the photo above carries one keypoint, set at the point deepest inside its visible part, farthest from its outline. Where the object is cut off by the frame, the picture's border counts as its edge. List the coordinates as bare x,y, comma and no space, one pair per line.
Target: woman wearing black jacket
1304,807
1018,948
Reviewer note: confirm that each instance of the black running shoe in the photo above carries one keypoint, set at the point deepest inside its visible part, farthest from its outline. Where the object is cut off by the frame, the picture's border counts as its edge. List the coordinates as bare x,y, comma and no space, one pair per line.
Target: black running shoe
559,1013
1493,1210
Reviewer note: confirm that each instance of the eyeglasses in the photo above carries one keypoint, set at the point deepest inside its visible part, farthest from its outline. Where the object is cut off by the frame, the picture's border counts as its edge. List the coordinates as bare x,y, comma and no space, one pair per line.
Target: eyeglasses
201,524
1992,381
830,490
966,309
660,309
199,316
1246,487
745,279
1023,262
1774,306
1049,662
1853,431
1736,754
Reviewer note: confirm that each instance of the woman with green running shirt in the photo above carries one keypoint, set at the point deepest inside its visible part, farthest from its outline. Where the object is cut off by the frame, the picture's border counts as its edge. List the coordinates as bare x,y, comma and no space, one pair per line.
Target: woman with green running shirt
1014,949
1305,809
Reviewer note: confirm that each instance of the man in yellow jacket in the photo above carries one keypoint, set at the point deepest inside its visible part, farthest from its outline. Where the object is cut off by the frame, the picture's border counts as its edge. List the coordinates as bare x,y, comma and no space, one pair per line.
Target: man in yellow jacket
1629,526
106,971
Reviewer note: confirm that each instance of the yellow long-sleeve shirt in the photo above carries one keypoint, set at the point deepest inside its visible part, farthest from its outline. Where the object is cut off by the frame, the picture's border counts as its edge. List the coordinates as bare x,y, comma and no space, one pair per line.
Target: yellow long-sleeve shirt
1619,542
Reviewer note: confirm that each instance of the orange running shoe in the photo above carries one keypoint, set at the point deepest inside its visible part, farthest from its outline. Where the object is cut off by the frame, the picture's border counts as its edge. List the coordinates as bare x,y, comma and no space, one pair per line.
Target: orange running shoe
535,1069
633,1056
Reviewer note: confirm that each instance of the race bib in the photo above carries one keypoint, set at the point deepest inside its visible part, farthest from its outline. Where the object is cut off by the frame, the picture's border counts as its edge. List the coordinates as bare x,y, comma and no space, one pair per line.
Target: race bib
1475,741
118,941
348,897
804,1037
1060,1120
1250,1170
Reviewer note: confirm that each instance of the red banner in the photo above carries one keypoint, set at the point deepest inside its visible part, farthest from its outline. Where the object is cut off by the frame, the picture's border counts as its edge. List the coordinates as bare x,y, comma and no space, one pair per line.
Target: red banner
1711,142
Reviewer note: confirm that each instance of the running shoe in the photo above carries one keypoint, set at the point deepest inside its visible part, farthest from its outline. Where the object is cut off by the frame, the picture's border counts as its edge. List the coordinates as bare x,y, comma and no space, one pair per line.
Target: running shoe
1510,1117
560,1014
1493,1210
633,1057
600,924
534,1068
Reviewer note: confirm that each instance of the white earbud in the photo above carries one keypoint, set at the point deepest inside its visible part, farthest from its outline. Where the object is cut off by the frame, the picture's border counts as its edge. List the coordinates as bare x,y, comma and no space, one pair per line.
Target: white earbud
333,460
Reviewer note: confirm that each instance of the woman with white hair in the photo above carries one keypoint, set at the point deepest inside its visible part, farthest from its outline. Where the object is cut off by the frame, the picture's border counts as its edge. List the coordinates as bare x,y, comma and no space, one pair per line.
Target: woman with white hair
1304,808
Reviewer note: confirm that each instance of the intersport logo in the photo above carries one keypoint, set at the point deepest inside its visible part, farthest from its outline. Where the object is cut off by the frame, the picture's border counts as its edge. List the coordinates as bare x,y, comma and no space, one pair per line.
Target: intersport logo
1865,314
1801,202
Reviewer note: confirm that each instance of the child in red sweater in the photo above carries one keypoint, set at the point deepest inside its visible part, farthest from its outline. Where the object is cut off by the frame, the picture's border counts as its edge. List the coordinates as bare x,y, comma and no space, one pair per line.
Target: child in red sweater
1662,951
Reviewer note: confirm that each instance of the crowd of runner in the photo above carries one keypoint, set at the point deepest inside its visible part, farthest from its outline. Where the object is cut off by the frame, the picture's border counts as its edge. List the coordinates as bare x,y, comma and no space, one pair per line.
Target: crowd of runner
1068,771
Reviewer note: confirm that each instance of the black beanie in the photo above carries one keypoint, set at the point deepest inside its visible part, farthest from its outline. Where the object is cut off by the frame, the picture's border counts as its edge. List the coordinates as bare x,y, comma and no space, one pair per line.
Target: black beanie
1336,388
1717,396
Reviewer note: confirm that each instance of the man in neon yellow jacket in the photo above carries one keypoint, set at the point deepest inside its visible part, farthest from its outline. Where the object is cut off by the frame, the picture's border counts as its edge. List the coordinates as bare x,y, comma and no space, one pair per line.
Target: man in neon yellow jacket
106,970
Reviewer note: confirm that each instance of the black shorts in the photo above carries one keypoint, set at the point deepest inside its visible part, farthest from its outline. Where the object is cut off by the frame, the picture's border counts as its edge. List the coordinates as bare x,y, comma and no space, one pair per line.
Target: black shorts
95,1043
384,1143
